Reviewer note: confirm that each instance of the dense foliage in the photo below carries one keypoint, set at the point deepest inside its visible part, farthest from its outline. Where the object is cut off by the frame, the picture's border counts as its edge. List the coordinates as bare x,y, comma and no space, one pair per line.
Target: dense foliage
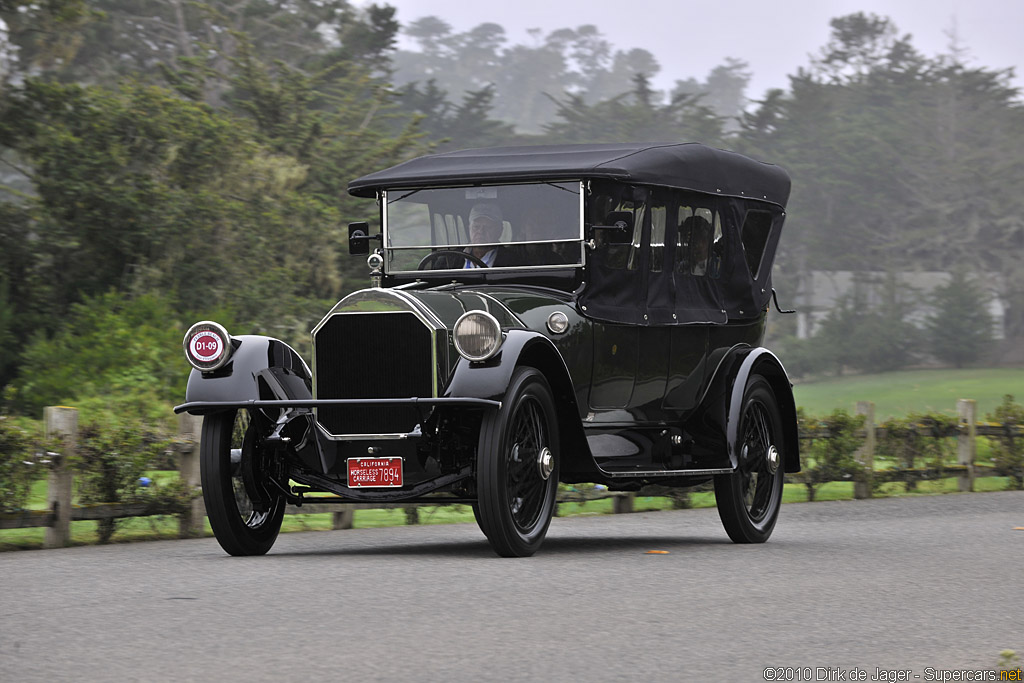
113,454
1007,450
19,466
830,458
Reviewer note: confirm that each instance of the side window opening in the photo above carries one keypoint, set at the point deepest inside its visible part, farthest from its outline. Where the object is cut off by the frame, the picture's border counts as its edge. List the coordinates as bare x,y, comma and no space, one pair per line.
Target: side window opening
627,256
659,217
717,249
615,198
757,226
699,242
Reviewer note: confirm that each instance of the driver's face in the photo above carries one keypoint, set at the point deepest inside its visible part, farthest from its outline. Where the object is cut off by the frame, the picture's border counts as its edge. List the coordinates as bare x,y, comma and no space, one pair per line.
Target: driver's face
484,229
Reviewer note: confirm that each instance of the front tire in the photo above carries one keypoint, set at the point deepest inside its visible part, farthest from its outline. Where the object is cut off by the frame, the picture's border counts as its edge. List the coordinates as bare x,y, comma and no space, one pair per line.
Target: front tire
517,467
749,498
241,527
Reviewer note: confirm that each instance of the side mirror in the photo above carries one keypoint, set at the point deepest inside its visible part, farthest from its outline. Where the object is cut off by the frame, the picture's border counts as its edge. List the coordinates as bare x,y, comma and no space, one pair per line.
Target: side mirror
619,229
359,238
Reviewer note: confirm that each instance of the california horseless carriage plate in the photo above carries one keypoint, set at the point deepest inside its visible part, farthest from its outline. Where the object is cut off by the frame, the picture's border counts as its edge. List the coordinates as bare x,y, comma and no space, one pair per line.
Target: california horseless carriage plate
571,313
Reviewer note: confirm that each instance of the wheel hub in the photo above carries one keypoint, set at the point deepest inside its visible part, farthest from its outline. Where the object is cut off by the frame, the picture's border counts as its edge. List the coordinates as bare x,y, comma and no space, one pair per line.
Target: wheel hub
772,459
545,463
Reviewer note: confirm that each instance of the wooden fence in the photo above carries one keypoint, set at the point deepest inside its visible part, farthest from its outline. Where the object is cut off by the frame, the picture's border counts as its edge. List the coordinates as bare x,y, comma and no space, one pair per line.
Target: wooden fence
61,425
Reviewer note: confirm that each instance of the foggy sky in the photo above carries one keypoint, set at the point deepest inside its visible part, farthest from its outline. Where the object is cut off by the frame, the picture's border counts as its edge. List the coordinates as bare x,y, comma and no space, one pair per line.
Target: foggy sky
774,38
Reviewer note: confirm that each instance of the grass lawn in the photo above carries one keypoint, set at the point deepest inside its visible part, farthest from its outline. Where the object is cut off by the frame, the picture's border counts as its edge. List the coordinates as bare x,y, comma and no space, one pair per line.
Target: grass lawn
897,394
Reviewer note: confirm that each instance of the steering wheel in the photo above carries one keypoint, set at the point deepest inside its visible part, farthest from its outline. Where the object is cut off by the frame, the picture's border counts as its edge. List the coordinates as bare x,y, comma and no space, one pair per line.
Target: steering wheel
449,252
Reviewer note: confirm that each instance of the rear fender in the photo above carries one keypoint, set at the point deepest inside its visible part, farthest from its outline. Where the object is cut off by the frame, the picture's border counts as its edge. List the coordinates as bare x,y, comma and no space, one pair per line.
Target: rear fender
260,368
761,361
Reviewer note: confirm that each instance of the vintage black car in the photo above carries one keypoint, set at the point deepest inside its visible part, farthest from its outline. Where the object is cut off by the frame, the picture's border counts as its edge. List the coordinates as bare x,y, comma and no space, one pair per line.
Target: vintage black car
569,313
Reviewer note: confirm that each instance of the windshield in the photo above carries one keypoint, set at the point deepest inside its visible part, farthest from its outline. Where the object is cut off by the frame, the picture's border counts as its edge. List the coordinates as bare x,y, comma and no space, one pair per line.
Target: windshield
496,226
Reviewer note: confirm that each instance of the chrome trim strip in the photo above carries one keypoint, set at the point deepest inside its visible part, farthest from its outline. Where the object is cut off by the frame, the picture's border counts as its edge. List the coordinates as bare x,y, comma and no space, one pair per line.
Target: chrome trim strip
418,305
409,304
664,473
367,437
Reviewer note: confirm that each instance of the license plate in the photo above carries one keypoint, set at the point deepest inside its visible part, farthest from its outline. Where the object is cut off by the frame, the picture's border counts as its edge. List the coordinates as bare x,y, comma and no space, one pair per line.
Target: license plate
374,472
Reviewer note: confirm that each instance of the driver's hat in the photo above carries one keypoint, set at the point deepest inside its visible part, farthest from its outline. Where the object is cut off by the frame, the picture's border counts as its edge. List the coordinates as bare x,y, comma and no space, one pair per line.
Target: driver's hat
487,210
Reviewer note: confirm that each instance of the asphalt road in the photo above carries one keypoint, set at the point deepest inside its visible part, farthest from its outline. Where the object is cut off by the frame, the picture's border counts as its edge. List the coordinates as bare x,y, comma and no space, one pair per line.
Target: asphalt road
890,584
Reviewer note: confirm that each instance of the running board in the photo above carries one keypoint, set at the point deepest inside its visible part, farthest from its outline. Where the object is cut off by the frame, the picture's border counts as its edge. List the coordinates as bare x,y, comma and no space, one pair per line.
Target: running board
651,474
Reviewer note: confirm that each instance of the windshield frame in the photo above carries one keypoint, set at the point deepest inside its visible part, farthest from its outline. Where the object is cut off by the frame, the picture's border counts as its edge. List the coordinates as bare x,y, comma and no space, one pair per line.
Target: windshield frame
401,193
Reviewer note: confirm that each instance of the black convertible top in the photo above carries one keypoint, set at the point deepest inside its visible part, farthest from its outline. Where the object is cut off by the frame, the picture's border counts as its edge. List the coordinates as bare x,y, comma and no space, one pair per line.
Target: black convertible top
690,166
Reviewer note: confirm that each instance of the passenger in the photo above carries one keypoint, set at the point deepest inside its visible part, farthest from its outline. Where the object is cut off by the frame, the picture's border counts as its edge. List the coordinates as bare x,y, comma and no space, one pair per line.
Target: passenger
695,231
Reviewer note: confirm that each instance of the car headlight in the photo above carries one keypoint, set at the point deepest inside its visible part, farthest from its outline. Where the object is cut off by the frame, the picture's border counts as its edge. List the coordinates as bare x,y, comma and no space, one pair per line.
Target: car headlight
477,335
207,346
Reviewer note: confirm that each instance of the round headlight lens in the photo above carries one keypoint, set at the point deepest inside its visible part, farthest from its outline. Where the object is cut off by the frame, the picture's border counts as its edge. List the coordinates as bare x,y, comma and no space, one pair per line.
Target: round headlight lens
477,335
207,346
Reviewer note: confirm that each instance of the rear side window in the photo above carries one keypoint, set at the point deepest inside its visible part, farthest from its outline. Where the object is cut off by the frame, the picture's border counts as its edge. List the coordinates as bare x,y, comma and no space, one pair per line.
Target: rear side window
659,216
757,225
698,242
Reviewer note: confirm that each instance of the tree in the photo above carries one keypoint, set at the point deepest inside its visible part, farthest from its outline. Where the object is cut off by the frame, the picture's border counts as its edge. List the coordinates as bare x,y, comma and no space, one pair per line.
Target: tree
468,124
723,91
135,189
960,329
103,41
871,337
39,35
635,116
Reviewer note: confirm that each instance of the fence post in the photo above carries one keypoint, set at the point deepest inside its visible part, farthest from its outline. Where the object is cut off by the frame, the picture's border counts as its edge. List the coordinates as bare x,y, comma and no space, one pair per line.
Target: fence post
60,424
344,517
967,416
190,429
623,503
866,454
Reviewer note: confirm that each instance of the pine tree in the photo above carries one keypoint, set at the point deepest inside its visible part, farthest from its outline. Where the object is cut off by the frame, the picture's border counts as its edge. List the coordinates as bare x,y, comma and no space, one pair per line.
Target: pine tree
960,329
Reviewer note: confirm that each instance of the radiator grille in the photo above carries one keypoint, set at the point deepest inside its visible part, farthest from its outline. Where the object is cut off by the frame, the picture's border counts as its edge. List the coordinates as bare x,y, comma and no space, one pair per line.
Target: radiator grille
372,355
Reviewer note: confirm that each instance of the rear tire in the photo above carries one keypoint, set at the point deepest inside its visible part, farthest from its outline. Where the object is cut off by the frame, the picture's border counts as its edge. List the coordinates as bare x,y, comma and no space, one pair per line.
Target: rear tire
749,498
241,527
517,467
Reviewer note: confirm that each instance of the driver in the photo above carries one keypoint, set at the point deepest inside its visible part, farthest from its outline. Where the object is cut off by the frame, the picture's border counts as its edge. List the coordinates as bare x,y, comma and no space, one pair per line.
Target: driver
485,228
485,225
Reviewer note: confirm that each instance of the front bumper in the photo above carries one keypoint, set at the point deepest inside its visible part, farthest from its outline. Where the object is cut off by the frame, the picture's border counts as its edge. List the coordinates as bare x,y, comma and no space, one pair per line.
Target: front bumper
202,407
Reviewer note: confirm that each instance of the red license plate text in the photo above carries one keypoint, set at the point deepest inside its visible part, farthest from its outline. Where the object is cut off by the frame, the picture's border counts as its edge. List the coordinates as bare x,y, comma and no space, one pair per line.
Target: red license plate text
374,472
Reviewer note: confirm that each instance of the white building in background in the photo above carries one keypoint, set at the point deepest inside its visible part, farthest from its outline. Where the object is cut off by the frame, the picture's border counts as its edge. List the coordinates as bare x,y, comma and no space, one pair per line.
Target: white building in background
820,290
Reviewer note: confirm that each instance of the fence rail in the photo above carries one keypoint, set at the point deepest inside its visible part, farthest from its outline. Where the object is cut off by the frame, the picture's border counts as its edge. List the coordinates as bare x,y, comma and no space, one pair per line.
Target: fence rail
61,424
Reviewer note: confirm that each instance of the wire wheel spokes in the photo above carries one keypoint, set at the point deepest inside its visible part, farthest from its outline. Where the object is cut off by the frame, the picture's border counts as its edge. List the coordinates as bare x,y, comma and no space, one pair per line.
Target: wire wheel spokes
756,467
526,486
243,445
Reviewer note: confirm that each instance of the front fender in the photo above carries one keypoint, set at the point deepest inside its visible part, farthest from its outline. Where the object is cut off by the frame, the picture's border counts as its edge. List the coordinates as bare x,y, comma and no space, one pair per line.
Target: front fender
490,378
260,368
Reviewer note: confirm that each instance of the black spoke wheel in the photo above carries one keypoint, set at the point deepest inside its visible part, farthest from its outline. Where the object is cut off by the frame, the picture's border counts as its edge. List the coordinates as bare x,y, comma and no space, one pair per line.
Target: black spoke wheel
429,259
748,499
517,467
233,465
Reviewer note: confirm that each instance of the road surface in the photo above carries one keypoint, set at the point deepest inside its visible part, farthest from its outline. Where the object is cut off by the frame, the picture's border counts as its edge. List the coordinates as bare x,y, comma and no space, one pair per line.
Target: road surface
880,586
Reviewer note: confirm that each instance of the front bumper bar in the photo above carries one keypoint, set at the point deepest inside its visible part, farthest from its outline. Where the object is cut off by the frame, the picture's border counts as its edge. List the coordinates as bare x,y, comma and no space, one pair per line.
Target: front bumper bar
209,406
